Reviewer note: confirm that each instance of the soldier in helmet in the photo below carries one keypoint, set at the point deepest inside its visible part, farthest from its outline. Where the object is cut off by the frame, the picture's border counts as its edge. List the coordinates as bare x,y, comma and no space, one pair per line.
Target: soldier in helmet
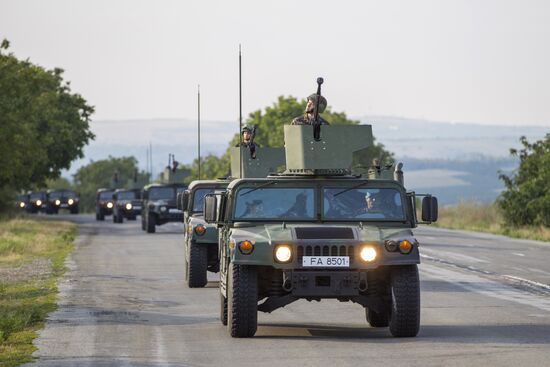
247,141
309,115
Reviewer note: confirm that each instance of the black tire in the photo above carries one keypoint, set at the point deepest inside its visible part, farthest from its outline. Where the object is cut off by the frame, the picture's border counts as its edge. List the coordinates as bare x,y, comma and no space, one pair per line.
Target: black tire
150,223
198,263
223,309
143,227
376,319
101,215
115,220
405,307
74,211
242,301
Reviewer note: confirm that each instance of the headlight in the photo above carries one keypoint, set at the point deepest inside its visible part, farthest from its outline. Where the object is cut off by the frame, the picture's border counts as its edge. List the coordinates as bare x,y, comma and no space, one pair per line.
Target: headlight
246,247
368,253
58,202
391,245
109,205
162,208
200,229
38,202
283,253
21,204
70,201
128,206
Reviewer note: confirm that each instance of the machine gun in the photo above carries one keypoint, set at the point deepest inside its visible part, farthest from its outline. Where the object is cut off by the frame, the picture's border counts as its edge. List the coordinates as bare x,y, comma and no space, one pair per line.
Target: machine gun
251,145
316,123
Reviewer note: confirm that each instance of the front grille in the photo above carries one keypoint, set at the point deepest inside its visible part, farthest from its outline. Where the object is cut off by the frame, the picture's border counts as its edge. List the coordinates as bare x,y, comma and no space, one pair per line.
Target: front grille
326,233
324,250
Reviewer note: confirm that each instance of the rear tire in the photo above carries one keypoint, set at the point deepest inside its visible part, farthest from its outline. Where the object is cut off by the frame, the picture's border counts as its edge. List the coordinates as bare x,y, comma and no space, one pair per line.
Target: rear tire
101,215
143,226
150,223
198,262
242,301
405,307
376,319
223,309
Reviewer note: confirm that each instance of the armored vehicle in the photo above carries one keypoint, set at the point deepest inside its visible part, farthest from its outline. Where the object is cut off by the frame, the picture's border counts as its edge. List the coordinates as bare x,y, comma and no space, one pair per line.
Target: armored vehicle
320,231
37,201
159,205
21,201
103,203
127,204
62,199
201,239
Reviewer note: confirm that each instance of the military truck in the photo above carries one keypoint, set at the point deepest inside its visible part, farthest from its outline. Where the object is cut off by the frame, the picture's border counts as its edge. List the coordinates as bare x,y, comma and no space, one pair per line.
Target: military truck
103,203
37,201
159,205
21,201
321,231
62,199
127,204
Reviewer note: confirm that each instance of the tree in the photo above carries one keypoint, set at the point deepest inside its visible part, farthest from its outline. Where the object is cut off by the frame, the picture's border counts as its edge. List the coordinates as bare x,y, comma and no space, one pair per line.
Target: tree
107,173
43,126
271,121
526,200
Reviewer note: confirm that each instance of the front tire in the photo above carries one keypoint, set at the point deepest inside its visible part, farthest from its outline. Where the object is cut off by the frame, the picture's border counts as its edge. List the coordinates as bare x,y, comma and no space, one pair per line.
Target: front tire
242,301
405,307
198,262
150,223
223,309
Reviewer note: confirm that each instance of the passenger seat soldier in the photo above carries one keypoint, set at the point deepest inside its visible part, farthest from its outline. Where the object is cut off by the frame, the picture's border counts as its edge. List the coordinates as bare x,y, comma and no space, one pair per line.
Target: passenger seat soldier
309,114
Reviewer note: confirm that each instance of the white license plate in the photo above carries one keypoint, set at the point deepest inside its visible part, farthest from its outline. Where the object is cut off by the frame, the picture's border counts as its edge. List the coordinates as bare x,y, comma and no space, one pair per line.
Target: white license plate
326,261
174,211
64,205
137,207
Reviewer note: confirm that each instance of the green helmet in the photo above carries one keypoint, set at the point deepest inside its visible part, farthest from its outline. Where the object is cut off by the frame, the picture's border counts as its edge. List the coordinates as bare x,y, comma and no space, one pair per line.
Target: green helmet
322,102
246,128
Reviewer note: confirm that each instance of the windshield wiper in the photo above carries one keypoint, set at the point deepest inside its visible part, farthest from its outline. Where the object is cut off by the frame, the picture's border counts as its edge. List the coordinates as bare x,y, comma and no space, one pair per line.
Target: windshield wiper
351,188
258,187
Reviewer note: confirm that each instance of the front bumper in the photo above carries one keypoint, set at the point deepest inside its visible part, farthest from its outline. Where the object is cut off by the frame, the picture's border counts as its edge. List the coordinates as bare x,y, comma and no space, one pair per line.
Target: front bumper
326,284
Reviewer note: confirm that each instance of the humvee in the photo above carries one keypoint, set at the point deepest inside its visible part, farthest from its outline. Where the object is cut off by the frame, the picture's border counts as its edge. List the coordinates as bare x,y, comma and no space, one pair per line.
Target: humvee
320,231
103,203
127,204
159,205
62,199
37,201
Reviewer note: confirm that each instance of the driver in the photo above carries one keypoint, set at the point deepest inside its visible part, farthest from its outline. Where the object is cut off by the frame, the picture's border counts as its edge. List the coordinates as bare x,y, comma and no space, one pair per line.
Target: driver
254,209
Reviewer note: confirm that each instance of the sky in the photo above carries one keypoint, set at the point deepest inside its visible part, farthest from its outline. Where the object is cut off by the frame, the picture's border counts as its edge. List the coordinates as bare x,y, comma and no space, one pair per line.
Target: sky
481,61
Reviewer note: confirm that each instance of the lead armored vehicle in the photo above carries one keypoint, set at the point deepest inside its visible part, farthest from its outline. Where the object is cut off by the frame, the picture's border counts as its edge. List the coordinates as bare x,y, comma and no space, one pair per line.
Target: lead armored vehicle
159,205
127,204
321,231
62,199
103,203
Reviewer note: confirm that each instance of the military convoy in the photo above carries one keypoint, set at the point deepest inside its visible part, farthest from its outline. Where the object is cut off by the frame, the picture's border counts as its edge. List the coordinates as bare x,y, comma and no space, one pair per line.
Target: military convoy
320,231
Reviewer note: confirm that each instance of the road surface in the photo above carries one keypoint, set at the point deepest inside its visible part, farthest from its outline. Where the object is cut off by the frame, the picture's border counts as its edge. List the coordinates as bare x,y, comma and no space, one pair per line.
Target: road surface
123,302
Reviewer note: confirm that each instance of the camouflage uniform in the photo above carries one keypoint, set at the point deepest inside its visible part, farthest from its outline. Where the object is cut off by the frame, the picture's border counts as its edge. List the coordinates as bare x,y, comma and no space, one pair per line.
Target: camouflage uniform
308,117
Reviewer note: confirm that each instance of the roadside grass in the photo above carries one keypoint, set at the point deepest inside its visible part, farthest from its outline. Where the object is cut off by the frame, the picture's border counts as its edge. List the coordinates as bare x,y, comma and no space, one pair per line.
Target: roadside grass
32,255
486,218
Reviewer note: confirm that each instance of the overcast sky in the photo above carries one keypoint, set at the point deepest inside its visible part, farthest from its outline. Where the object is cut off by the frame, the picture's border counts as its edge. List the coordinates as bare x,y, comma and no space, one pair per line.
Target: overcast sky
462,61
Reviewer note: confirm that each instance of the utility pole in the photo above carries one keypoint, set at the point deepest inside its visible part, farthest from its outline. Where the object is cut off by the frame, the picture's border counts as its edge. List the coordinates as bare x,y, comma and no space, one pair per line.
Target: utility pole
199,126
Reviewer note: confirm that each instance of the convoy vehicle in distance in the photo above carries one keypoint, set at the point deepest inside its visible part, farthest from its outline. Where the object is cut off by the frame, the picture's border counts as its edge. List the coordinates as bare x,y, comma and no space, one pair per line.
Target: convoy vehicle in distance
320,231
200,238
37,201
127,204
21,201
159,205
62,199
103,203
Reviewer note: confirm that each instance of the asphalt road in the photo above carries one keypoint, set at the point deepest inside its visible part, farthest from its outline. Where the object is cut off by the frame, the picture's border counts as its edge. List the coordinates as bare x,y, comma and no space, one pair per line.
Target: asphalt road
485,302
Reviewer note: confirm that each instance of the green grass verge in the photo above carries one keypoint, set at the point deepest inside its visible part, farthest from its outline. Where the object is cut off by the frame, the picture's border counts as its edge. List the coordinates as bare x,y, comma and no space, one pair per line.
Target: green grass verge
32,255
486,218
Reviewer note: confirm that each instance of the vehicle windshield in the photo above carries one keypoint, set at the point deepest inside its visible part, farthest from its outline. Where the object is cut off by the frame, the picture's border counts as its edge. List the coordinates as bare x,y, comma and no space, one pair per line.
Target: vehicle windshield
275,203
126,195
69,194
55,195
363,204
198,198
37,195
162,193
106,195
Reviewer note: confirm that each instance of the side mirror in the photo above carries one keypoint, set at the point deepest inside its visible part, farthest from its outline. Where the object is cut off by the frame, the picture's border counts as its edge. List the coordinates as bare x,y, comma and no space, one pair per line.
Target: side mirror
429,209
178,201
184,200
144,195
210,208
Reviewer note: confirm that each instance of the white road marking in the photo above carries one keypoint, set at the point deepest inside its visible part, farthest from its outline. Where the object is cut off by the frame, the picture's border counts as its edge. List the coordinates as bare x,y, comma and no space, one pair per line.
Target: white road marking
518,254
528,282
486,287
160,348
454,256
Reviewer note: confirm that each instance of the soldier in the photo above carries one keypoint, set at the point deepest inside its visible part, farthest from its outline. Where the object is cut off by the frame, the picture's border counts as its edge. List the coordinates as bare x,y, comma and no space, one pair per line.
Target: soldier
309,115
247,141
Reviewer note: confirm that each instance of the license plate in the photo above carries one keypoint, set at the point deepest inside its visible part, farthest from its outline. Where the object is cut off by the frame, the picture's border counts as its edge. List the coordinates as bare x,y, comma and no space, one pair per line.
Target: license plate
137,207
64,205
174,211
326,261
